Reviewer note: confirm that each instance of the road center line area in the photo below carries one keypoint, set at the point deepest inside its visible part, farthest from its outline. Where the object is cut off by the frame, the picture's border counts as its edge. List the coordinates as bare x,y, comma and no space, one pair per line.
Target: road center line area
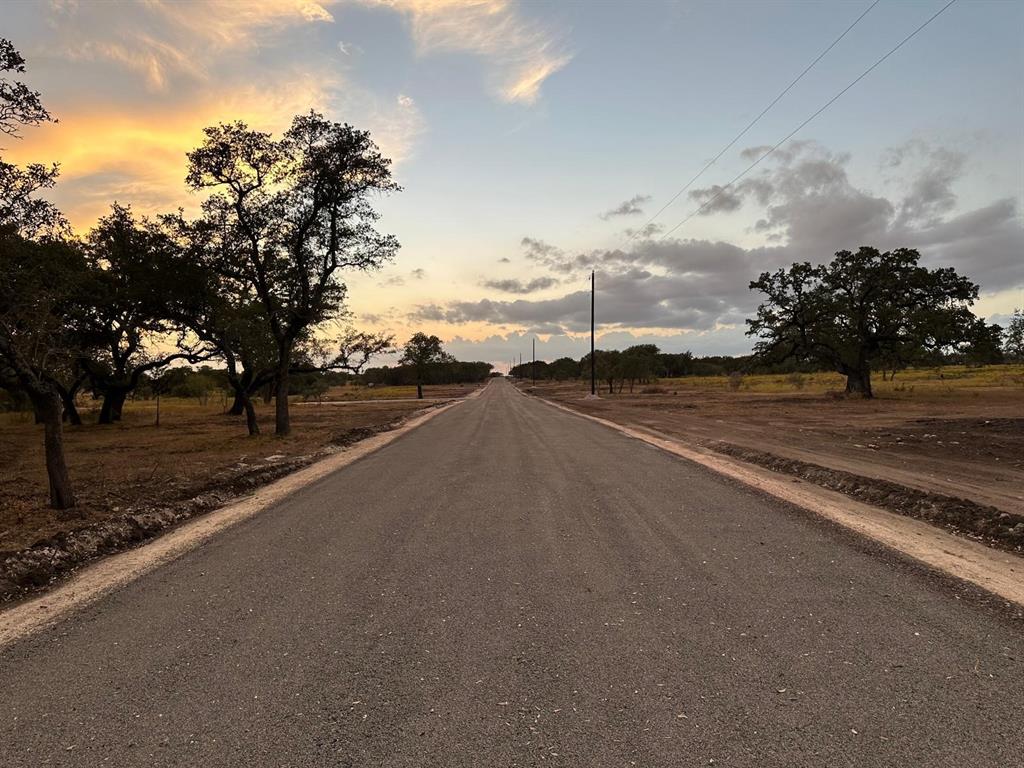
508,585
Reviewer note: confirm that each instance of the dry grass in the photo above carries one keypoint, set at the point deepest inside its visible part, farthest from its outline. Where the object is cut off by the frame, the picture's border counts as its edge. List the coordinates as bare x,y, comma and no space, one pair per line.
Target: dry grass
135,463
947,380
362,392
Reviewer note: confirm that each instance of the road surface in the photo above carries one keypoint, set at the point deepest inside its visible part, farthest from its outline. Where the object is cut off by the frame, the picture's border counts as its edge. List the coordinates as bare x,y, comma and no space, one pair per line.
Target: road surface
510,585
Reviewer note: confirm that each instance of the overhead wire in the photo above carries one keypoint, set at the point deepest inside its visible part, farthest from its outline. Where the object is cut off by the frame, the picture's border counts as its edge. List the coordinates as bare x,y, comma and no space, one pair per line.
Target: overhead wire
721,190
753,122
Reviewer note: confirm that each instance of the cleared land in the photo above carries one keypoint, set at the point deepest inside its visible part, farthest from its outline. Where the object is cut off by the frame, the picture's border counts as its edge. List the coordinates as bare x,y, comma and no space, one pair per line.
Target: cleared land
197,450
955,433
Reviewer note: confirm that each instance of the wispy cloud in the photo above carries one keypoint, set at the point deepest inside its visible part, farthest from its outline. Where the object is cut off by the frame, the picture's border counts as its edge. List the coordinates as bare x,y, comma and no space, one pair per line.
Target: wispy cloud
160,39
523,53
630,207
395,126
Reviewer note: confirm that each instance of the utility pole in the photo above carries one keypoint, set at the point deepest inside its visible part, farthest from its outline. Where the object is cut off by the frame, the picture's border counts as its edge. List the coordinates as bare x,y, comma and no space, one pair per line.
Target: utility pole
533,365
593,365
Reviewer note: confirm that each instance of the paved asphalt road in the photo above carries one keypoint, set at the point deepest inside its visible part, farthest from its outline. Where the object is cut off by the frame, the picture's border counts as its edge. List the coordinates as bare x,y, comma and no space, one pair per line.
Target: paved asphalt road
510,585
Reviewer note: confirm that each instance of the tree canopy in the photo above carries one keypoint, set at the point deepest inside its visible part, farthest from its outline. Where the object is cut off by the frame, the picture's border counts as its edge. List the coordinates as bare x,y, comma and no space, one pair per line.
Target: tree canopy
285,218
422,351
859,308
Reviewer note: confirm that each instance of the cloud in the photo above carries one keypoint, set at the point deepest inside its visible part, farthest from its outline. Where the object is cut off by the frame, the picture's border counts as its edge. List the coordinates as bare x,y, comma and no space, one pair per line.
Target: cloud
716,199
811,209
628,296
522,52
648,230
419,273
160,39
517,286
934,170
552,257
396,127
504,260
629,207
112,151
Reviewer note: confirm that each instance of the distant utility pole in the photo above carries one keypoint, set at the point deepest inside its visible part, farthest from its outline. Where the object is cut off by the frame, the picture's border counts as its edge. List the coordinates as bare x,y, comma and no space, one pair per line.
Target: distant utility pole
533,365
593,367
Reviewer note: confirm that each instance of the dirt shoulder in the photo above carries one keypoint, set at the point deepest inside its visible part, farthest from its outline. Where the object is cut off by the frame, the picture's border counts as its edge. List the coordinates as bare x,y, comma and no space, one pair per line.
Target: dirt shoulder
954,458
135,480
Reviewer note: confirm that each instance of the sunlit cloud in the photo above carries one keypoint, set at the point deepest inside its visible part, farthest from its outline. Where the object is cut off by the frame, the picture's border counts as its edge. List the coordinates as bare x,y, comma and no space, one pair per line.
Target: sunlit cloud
524,54
117,152
151,58
158,39
396,127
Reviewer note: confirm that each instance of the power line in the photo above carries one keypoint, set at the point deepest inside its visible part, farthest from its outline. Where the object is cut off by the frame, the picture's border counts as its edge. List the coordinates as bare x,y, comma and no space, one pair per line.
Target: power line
796,130
751,124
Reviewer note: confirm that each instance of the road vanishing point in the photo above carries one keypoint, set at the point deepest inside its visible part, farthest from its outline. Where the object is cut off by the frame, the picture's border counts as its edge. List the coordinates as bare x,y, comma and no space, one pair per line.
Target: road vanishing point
512,585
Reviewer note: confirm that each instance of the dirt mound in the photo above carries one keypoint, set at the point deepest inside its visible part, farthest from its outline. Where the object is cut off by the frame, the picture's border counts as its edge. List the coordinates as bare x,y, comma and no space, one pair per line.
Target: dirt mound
977,521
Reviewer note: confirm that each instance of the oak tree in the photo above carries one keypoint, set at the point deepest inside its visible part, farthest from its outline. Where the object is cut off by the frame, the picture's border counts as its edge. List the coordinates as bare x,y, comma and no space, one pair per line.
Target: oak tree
421,352
861,308
290,215
127,327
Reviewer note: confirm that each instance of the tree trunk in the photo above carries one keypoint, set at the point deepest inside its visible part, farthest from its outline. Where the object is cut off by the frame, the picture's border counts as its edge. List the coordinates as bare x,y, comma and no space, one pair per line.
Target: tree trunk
268,393
250,416
61,495
105,417
238,406
419,390
113,404
70,409
282,421
859,383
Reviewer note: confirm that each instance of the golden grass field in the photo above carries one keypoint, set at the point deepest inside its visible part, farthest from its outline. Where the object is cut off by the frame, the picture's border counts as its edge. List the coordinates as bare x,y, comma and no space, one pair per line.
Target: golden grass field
951,380
361,392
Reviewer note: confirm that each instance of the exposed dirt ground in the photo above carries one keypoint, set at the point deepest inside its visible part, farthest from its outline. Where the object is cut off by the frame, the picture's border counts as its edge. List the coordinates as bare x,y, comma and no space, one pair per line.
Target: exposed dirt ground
965,443
196,450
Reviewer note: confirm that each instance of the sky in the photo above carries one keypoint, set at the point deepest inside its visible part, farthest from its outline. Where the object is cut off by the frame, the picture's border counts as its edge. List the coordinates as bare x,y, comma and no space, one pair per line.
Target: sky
537,141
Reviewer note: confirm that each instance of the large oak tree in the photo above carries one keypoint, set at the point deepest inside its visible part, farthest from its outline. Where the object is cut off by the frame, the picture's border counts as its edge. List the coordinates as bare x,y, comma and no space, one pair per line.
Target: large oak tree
861,308
127,327
287,217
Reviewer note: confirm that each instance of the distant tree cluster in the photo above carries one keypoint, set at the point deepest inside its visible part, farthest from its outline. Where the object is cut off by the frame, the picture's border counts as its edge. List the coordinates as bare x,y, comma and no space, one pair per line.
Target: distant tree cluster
424,361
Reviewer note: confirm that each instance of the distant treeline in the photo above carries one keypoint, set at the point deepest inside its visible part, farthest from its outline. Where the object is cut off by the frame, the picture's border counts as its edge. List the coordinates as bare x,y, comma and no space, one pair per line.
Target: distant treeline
206,382
454,372
644,363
